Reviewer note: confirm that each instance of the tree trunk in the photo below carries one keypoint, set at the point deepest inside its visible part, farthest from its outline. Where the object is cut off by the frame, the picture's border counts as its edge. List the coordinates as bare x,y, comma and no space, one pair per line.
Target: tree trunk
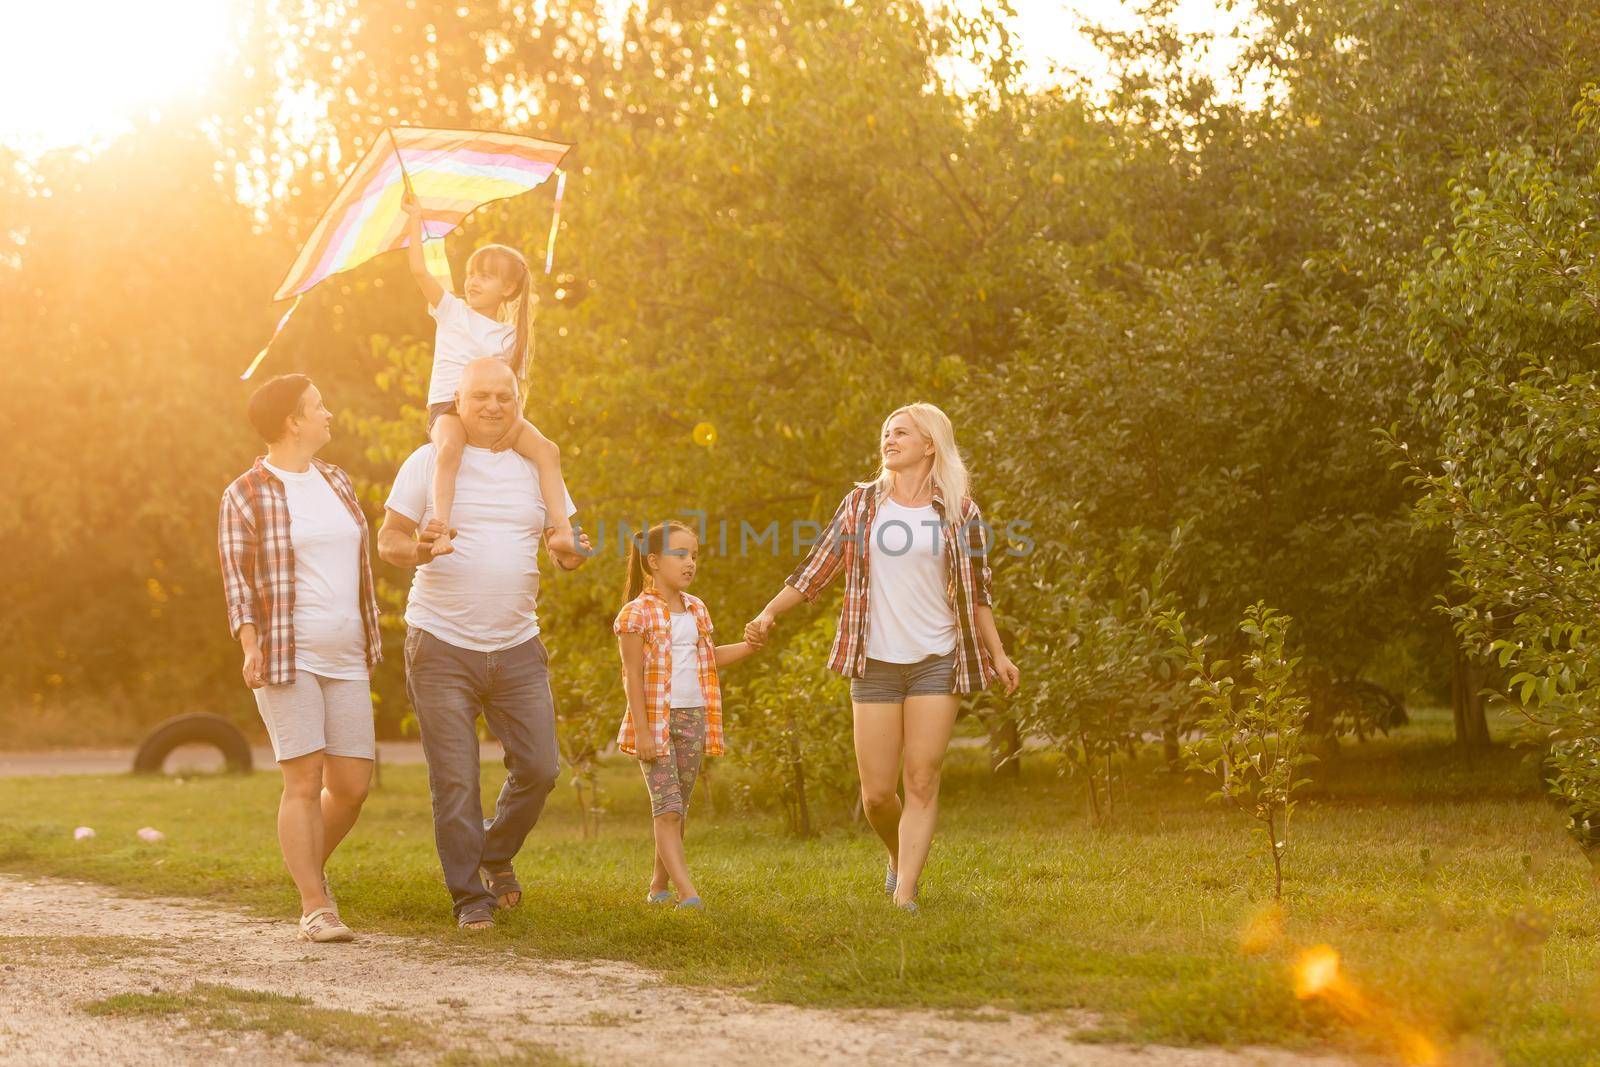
798,769
1467,679
1005,748
1171,752
586,815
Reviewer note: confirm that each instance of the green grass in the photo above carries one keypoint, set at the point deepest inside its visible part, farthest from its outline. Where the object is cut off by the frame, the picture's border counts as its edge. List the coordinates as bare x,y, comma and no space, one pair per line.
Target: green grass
522,1054
1447,886
92,950
213,1007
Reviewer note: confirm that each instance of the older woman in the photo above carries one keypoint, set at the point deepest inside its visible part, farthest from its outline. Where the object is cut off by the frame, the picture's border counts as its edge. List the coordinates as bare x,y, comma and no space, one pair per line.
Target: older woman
916,636
293,543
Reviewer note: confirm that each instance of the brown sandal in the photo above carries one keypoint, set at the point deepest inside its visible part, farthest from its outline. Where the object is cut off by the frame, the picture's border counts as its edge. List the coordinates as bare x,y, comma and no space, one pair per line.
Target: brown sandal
502,885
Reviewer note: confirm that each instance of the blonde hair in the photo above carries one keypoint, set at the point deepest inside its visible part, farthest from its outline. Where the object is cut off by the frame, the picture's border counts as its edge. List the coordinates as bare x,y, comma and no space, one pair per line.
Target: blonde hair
513,270
949,469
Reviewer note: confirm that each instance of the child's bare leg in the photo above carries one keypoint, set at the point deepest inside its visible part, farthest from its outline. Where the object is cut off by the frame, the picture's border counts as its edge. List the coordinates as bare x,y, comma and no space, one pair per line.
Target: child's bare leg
546,456
449,441
669,851
658,877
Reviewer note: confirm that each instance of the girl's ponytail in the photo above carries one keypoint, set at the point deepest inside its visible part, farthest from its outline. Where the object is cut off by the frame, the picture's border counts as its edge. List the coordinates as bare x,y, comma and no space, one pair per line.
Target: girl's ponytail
636,576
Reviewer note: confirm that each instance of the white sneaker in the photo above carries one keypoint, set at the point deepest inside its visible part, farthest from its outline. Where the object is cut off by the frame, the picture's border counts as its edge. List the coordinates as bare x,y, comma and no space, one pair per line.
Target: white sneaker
323,926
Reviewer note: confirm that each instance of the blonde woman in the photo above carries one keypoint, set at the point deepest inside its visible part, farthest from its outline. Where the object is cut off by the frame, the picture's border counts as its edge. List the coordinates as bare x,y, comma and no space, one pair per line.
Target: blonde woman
916,636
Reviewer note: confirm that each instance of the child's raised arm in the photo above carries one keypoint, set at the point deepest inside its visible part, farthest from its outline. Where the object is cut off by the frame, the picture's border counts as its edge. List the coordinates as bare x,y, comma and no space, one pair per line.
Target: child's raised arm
431,289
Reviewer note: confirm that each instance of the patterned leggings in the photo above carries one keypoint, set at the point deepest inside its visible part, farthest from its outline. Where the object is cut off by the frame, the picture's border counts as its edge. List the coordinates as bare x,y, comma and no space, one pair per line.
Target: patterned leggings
671,775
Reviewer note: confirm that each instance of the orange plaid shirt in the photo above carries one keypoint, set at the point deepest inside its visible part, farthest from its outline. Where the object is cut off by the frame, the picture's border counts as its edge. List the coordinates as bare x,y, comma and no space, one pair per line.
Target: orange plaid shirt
647,614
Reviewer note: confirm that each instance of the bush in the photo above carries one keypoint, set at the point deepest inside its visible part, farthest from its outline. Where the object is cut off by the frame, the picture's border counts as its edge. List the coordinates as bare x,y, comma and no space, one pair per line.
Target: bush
790,725
1251,728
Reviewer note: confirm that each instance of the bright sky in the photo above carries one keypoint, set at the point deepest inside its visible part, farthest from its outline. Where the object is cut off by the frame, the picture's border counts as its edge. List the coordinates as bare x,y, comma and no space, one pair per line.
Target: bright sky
1048,31
77,71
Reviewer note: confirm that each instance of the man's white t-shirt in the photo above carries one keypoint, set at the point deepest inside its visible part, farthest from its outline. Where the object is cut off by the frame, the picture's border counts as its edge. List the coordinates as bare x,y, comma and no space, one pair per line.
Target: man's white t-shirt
686,692
462,336
909,617
329,639
484,595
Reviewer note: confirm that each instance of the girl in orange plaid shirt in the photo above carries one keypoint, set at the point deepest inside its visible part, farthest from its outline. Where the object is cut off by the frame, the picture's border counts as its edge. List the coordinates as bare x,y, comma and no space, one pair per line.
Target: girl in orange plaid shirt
669,671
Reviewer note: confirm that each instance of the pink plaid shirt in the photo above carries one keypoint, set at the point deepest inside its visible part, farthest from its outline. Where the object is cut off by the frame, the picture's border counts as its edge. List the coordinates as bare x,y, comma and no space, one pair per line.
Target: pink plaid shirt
258,564
844,547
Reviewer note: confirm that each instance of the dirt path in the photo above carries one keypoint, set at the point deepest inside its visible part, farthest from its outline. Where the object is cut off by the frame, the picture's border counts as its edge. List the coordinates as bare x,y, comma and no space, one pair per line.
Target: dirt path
185,979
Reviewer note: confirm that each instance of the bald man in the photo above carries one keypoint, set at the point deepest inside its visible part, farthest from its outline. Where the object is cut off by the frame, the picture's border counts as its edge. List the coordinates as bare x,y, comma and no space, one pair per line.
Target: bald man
472,641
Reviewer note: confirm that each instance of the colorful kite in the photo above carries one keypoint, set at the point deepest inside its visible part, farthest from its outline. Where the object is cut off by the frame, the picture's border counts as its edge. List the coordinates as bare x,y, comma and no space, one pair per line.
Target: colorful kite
451,173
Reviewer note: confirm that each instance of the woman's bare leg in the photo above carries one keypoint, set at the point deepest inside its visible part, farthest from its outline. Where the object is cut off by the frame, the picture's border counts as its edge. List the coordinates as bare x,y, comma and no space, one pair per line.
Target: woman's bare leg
929,722
345,782
300,831
878,737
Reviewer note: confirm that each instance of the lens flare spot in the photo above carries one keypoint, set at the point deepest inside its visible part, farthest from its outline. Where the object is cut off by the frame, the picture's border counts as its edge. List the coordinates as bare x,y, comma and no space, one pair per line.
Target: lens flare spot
705,434
1316,972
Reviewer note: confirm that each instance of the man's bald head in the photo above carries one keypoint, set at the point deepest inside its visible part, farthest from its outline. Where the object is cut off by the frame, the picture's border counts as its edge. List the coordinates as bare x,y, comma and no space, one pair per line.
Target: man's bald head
486,400
495,371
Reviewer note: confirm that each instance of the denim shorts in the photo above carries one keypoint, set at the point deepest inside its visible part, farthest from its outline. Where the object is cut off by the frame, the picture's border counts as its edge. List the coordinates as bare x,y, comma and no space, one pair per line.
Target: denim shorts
891,683
444,407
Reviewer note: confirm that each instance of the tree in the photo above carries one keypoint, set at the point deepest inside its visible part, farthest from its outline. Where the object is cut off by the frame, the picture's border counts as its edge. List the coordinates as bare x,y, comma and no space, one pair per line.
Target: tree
1506,315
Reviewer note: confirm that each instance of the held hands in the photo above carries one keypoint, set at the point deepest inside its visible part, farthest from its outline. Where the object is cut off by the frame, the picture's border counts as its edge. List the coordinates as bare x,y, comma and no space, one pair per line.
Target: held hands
568,552
645,746
433,541
757,629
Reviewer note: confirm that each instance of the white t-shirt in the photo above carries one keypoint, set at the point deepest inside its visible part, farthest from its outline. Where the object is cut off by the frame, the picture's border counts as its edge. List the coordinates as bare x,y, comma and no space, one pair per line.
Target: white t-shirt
329,639
462,336
686,691
484,595
909,617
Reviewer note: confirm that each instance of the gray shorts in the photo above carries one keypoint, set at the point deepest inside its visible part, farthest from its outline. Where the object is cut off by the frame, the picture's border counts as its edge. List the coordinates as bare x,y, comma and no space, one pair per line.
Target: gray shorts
891,683
317,714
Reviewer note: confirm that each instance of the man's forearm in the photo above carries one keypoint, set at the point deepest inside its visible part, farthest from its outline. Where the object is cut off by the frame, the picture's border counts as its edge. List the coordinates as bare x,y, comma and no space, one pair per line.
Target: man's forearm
401,550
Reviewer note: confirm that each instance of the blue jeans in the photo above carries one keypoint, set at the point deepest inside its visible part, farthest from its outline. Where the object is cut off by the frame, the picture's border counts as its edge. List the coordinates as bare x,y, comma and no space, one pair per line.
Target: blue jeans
449,687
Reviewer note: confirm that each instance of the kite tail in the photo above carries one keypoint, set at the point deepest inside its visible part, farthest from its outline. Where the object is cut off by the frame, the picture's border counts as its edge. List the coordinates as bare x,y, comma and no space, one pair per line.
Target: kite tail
261,355
555,222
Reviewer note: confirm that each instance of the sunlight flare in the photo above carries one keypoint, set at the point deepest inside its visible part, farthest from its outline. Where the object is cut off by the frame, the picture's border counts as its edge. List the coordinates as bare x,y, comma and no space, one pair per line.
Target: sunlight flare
76,71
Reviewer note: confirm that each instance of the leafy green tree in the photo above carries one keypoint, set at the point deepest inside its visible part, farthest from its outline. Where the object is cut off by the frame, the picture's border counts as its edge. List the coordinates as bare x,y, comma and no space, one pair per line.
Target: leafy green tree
1506,315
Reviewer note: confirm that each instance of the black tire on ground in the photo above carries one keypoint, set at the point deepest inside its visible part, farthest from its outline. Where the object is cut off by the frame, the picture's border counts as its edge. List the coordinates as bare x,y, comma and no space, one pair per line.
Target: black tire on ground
201,728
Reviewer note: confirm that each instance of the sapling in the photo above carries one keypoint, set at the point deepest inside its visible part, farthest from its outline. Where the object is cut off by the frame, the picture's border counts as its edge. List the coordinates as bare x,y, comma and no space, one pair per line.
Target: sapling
1250,727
